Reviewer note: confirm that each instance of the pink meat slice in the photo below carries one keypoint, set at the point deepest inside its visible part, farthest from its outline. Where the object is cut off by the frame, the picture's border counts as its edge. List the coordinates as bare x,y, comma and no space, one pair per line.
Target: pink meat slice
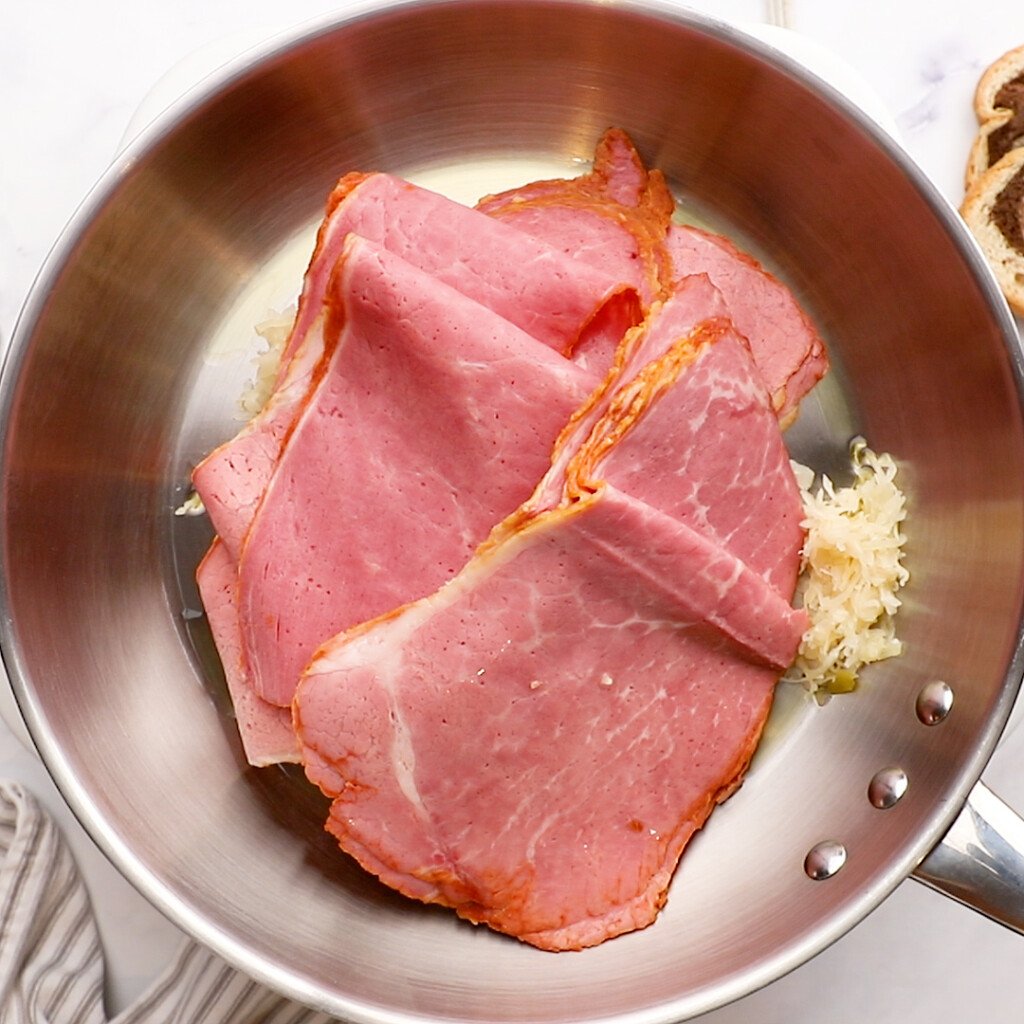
685,454
431,421
265,729
525,280
615,217
787,348
528,282
535,743
707,454
618,218
493,748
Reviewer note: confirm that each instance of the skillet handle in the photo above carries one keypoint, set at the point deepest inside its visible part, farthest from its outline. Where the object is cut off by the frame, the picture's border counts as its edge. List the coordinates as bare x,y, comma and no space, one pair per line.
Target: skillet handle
980,860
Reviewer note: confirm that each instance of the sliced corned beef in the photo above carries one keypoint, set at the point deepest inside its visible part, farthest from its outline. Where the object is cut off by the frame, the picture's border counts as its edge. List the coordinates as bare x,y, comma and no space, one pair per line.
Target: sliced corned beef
705,453
525,280
265,729
618,216
615,218
432,420
535,743
787,348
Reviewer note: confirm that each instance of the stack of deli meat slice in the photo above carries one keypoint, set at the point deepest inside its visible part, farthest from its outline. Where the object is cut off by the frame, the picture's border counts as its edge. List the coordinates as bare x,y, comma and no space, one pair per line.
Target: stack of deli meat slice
507,559
432,420
522,280
534,743
417,309
619,218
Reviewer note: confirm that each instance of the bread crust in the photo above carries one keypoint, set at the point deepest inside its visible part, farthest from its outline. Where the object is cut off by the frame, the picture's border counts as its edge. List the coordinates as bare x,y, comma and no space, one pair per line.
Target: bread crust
992,117
978,157
995,76
979,213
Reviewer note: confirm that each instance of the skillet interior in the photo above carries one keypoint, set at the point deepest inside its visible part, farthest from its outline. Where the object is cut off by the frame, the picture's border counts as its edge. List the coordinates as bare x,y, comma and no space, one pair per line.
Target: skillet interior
134,345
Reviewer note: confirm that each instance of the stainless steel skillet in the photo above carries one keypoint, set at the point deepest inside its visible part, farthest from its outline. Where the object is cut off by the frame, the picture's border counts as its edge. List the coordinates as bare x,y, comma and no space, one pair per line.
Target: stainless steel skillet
135,343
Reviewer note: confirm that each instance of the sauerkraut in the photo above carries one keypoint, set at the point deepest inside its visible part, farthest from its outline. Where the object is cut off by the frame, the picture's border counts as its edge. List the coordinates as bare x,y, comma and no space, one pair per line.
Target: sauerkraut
274,329
851,572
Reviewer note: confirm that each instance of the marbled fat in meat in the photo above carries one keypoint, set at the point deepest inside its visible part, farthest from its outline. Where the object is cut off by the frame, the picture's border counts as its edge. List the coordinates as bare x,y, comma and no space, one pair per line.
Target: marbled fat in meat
710,454
786,346
535,743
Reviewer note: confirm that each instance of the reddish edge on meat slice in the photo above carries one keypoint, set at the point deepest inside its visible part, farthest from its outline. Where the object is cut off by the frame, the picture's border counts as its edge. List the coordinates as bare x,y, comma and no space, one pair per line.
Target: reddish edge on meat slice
615,217
525,280
787,348
432,420
265,730
618,218
535,743
701,453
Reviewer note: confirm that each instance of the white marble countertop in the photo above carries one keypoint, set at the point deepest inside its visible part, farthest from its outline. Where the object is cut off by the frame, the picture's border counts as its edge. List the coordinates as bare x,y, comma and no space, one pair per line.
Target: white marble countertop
72,76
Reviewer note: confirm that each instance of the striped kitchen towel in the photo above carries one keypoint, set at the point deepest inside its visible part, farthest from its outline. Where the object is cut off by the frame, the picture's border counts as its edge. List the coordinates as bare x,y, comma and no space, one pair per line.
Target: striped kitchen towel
51,961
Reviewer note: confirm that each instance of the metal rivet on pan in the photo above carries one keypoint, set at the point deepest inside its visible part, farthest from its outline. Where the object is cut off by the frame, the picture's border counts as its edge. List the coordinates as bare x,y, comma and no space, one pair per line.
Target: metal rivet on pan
825,860
887,787
934,702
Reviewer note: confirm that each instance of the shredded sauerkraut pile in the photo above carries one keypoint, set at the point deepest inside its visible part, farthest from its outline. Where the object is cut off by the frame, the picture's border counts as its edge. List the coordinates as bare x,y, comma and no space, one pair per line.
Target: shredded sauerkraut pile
274,329
851,572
